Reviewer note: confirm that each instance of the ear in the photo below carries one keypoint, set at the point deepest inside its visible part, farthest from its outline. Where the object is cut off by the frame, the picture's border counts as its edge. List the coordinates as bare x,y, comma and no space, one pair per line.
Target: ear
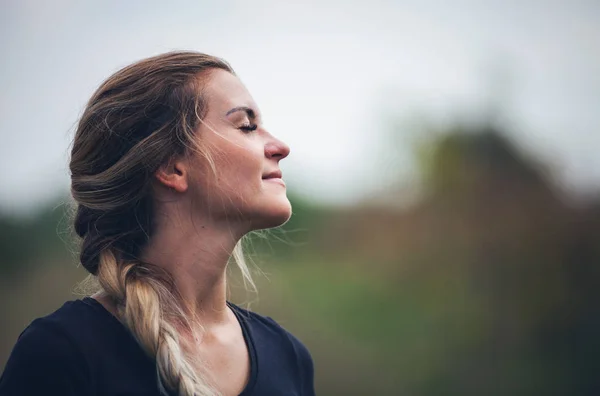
174,175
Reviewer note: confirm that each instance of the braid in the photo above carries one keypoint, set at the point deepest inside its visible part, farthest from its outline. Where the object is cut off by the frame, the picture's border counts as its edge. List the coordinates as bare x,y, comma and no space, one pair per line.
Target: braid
138,297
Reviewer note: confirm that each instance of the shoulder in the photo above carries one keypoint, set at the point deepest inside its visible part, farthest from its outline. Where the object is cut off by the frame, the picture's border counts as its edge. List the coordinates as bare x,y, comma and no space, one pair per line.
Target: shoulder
41,338
267,333
73,324
54,333
46,356
267,324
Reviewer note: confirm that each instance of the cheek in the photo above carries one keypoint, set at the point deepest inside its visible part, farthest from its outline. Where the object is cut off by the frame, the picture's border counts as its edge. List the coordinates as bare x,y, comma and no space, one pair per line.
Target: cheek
239,171
242,168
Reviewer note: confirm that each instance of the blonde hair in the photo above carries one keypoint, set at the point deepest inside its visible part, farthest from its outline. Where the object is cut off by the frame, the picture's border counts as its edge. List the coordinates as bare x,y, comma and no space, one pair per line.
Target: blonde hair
138,119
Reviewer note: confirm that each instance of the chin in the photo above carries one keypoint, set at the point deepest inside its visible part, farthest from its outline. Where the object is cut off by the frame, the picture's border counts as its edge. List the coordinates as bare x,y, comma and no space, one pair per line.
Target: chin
275,214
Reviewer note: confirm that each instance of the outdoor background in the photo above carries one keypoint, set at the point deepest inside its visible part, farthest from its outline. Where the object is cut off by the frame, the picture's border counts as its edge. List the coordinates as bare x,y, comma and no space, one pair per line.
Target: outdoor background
444,176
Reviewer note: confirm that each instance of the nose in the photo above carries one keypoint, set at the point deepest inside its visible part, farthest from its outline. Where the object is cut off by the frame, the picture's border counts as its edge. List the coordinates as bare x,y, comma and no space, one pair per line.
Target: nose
276,149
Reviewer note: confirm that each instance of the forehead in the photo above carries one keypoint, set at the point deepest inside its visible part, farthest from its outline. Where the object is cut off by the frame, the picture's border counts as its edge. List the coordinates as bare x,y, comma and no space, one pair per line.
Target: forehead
224,91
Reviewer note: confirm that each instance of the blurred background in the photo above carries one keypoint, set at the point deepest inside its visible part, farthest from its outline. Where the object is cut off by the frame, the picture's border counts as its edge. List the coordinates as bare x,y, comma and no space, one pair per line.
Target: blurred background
444,176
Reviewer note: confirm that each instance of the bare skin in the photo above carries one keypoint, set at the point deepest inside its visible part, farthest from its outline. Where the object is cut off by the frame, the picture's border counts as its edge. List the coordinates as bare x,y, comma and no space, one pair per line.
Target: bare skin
200,218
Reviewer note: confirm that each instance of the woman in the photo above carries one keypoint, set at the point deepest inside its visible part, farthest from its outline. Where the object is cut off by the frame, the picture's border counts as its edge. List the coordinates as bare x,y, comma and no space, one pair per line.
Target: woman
170,167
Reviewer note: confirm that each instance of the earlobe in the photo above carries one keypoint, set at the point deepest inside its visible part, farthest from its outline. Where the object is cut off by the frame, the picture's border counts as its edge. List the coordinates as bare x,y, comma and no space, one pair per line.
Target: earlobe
173,175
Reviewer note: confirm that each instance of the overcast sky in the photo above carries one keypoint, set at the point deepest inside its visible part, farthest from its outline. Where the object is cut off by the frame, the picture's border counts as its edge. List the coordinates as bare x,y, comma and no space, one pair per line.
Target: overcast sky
327,75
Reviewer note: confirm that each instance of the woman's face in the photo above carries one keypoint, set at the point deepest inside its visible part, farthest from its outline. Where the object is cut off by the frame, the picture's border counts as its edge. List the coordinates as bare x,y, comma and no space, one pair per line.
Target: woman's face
248,185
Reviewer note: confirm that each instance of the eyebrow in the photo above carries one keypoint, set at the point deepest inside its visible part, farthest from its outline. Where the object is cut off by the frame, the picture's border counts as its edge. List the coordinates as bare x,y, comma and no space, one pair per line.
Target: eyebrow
247,109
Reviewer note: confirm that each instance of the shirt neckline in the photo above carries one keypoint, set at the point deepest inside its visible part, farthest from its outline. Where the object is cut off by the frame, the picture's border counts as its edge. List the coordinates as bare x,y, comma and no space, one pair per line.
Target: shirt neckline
242,320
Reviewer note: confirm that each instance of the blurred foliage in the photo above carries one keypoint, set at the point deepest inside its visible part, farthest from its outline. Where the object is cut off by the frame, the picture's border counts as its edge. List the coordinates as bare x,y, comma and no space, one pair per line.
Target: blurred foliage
487,285
24,240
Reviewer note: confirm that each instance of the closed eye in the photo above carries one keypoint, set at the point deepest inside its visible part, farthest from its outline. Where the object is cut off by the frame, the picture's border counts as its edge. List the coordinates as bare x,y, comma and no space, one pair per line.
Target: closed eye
248,127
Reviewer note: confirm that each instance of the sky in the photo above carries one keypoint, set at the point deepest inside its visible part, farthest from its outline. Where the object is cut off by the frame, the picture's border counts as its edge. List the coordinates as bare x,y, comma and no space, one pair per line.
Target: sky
330,77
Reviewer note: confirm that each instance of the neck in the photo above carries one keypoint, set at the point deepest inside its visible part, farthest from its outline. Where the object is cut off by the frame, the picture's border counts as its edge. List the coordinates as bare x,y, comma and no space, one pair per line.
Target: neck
195,253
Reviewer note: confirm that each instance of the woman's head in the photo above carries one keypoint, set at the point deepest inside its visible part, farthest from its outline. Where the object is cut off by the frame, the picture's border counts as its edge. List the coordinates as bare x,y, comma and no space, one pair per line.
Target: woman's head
176,128
240,185
176,135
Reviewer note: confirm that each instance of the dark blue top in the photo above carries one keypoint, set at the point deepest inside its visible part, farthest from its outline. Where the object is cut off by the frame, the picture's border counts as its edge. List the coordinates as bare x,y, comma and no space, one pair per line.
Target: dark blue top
82,349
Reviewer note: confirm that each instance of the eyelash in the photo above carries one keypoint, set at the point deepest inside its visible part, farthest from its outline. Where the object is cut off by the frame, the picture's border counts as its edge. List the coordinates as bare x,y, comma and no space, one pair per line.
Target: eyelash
248,127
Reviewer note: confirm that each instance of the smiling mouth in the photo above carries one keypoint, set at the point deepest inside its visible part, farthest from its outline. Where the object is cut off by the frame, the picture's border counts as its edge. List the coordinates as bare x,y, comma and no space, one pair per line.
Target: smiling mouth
274,176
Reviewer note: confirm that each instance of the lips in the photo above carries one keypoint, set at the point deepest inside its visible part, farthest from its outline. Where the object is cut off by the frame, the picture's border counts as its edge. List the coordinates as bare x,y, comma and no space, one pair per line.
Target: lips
273,175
